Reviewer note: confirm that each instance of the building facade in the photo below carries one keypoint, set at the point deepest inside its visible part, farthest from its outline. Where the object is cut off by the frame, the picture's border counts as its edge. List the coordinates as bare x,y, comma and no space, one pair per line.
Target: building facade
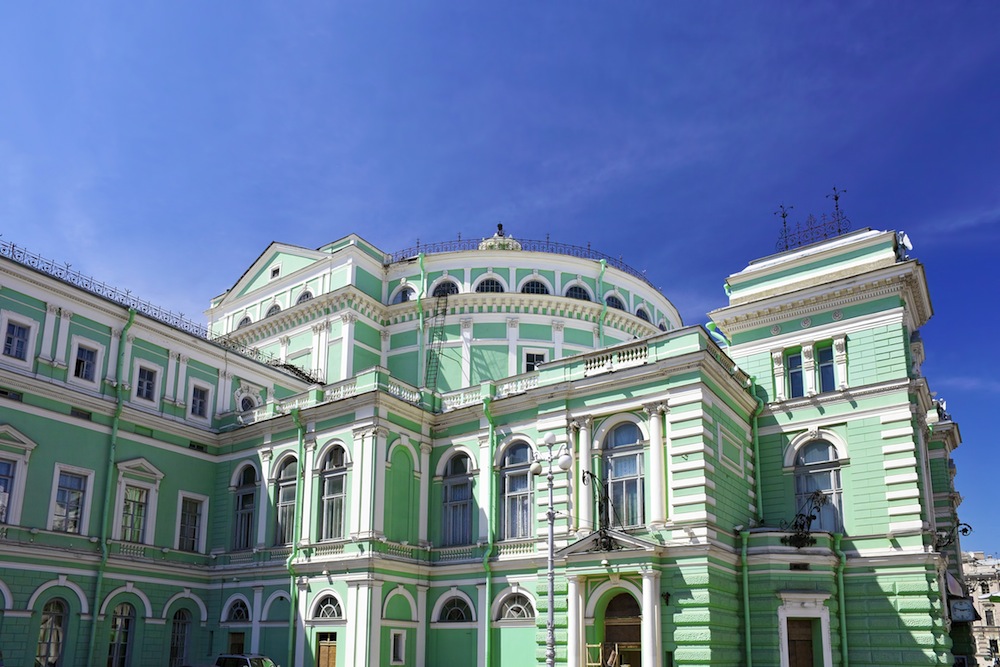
353,464
982,575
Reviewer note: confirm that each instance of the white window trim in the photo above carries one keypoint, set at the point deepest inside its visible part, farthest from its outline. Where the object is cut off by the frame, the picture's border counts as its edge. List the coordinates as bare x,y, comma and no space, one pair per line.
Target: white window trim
392,641
404,285
202,521
34,326
144,363
542,279
129,476
209,401
525,351
270,271
88,495
75,343
490,275
578,282
798,604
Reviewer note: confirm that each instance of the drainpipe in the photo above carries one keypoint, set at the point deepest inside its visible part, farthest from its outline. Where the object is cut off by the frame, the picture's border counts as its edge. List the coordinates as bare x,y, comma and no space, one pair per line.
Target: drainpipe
296,535
420,321
108,481
604,303
842,611
748,649
489,528
754,426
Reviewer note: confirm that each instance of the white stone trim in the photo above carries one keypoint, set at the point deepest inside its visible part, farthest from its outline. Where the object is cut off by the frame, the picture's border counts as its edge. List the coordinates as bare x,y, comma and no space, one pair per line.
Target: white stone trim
797,604
88,495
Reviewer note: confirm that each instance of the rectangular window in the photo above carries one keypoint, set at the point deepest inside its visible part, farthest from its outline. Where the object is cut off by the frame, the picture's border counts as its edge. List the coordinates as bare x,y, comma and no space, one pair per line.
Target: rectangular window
86,363
533,360
458,512
994,648
796,388
333,507
134,514
984,587
243,532
70,496
199,402
6,487
15,343
398,647
190,527
517,510
145,388
989,617
825,369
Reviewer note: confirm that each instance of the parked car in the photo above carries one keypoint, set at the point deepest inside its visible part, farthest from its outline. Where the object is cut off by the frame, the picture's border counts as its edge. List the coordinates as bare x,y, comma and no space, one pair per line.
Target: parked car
244,660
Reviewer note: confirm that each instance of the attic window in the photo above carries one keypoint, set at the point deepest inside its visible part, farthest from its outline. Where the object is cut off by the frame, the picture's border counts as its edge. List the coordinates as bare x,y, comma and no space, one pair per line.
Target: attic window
275,272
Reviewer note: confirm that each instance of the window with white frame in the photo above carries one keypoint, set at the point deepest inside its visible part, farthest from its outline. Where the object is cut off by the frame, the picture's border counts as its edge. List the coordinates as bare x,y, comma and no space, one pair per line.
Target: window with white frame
275,271
284,499
70,505
796,380
238,612
642,314
52,634
623,475
245,321
146,386
457,522
201,399
303,297
191,522
15,342
180,638
810,369
273,310
516,607
455,610
8,469
398,647
533,359
614,302
578,292
534,287
134,516
517,496
490,285
135,506
826,375
86,363
817,471
244,509
19,338
122,636
329,608
445,288
333,476
405,294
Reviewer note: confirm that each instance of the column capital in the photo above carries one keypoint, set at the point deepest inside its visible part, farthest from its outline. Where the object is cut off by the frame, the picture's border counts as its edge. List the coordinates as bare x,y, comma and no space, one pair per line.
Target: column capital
558,325
655,408
52,309
513,322
67,313
348,317
183,358
466,323
425,448
285,340
650,574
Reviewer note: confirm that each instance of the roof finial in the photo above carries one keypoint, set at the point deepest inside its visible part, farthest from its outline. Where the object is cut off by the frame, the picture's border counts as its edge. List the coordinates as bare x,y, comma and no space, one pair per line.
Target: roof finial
500,229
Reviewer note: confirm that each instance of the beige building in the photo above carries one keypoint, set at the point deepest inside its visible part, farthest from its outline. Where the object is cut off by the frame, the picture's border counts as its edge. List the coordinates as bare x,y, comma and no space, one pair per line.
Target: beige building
982,574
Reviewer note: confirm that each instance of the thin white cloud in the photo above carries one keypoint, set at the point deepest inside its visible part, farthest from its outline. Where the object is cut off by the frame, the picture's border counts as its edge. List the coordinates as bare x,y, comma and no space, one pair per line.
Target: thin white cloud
963,383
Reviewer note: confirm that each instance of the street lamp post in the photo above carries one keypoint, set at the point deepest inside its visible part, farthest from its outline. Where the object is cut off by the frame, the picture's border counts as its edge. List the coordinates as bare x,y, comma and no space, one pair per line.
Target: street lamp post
564,460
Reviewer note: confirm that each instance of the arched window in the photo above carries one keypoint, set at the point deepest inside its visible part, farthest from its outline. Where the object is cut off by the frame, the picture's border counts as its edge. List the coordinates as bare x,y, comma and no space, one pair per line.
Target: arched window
245,322
445,288
329,608
247,403
284,495
623,475
51,634
489,285
517,522
180,638
457,524
333,475
642,314
245,502
534,287
614,302
122,629
516,607
273,310
305,296
817,469
662,326
577,292
404,295
238,612
455,610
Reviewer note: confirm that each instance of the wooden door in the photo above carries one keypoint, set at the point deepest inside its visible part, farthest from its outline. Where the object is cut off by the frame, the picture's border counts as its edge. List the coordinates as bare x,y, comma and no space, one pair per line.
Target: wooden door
326,650
800,642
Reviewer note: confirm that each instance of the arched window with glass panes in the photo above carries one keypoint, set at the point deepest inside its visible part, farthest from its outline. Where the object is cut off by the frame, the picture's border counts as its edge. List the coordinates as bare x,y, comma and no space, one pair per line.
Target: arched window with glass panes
455,610
614,302
457,519
52,634
516,607
284,499
333,484
623,475
445,288
817,471
517,496
244,510
489,285
577,292
534,287
122,636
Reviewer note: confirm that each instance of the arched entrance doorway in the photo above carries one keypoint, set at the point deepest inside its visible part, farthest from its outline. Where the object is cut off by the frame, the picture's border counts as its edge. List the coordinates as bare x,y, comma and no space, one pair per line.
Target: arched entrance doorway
623,632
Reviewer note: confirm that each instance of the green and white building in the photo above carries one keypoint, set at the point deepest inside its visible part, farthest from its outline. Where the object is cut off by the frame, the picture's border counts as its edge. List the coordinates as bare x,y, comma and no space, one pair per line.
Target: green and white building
340,469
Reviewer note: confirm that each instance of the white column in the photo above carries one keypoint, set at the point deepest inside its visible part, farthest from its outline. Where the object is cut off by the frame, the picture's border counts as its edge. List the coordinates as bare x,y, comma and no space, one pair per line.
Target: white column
466,351
51,315
224,393
378,492
512,336
351,629
809,368
116,337
363,617
375,620
283,349
258,603
361,483
840,360
483,614
657,492
485,477
126,358
586,503
421,643
574,638
557,338
182,380
264,492
383,357
347,349
308,483
651,640
63,337
425,485
778,367
170,393
300,627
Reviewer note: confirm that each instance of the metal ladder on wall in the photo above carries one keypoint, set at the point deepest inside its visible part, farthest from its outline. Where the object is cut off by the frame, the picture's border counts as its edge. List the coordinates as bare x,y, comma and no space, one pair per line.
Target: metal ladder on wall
436,342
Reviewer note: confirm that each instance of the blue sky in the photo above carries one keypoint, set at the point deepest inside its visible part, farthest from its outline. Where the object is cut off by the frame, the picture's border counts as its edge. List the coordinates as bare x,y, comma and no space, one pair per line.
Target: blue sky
162,146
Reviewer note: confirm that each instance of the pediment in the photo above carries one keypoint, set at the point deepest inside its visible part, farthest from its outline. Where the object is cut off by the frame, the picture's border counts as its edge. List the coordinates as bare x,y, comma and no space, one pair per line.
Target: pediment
12,440
141,468
609,541
289,258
